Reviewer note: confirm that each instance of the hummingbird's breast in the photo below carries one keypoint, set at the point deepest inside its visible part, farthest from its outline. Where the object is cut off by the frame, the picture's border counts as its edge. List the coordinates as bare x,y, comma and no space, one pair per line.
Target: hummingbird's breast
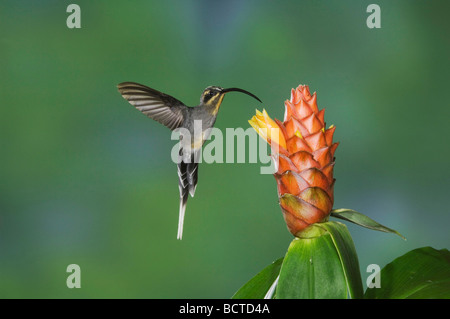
198,124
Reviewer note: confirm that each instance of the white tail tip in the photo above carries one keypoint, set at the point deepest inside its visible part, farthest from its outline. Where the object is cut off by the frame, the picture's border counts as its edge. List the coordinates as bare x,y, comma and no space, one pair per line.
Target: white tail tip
181,220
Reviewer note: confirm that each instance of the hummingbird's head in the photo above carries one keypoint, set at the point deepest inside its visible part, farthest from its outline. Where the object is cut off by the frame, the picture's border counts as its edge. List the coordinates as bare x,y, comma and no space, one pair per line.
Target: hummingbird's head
213,96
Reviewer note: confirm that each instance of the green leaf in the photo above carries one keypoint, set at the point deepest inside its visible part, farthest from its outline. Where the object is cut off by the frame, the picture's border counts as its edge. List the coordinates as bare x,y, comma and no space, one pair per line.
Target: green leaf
257,287
312,269
347,253
420,273
362,220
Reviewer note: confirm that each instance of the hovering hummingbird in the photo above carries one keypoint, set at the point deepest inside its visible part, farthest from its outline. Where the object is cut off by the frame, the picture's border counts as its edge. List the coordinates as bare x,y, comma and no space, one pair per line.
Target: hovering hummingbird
174,114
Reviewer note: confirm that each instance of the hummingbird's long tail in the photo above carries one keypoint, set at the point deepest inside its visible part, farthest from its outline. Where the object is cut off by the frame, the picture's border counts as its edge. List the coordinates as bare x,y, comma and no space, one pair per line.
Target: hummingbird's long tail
187,183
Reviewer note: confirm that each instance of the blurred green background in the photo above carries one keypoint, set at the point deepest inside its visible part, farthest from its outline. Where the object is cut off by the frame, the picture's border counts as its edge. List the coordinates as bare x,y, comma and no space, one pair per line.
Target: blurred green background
87,179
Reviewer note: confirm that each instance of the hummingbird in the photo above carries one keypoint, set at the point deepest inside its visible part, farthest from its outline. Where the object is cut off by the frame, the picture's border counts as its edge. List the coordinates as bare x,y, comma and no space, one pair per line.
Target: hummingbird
175,115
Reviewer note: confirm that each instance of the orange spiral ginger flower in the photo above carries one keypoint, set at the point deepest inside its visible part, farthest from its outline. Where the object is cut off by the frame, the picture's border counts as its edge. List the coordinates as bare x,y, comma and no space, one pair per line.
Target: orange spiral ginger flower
305,154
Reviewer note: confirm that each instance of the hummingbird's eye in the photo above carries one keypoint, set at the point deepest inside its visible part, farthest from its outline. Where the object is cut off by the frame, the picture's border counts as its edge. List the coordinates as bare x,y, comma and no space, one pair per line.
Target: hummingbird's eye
208,95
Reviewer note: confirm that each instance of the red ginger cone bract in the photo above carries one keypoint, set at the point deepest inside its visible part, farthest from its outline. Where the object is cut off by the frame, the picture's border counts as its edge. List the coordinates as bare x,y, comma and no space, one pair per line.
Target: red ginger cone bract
305,159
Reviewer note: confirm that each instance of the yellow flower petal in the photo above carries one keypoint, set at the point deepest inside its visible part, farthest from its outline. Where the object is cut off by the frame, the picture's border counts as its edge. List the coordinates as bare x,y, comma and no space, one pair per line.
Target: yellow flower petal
268,120
262,131
261,122
267,128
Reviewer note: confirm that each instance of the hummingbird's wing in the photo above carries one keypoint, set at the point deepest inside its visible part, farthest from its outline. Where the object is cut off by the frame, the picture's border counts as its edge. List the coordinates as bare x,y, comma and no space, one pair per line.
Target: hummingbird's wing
161,107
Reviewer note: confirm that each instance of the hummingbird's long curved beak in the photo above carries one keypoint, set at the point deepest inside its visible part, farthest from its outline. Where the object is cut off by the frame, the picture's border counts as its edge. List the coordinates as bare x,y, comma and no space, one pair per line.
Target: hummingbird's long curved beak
242,91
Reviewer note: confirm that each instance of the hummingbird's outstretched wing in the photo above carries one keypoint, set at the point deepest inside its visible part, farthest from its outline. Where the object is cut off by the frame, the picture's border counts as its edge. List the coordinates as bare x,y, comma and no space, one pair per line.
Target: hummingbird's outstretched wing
161,107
